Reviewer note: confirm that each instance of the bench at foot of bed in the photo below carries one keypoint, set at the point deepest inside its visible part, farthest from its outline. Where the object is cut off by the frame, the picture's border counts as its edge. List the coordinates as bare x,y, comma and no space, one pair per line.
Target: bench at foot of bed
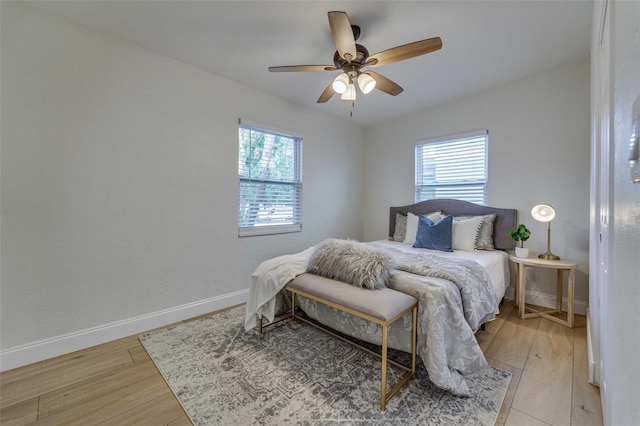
382,307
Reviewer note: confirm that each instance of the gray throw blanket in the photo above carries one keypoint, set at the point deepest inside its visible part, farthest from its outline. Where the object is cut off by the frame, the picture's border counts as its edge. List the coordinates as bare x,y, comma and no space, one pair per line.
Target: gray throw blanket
454,299
470,278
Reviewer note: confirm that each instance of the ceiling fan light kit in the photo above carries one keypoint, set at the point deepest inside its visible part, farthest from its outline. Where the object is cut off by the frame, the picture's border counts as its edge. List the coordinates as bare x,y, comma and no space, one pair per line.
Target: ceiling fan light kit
350,58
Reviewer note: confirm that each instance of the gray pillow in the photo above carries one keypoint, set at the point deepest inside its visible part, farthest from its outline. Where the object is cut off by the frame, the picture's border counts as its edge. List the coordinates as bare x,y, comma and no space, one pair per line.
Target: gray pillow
403,223
351,262
401,228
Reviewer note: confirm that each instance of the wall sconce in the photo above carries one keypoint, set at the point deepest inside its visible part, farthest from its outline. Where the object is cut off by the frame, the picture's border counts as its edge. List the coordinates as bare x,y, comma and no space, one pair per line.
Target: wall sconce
545,213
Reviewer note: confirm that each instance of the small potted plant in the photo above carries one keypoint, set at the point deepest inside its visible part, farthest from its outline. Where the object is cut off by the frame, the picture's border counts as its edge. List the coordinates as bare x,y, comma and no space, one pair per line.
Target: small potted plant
522,234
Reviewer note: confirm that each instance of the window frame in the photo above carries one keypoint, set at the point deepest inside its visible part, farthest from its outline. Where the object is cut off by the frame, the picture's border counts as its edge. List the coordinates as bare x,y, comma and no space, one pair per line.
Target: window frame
296,183
420,183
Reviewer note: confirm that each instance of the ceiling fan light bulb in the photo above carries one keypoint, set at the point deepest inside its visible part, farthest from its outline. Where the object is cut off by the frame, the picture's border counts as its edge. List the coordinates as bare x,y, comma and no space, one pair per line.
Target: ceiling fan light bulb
350,94
366,83
340,83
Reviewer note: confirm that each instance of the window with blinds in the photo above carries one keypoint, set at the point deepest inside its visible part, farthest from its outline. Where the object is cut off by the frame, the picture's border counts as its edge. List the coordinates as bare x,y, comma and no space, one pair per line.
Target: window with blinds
270,172
453,167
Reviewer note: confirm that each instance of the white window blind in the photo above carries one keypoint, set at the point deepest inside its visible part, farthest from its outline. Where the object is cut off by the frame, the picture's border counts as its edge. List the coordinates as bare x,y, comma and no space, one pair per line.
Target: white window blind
270,187
453,167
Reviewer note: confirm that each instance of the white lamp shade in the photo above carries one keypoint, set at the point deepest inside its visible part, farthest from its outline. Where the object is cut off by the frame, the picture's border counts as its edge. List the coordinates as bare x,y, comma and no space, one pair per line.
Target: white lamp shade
366,83
543,213
350,94
341,83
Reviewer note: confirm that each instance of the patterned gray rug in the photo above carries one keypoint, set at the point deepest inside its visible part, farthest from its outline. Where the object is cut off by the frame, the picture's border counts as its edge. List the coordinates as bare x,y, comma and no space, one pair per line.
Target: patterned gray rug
295,374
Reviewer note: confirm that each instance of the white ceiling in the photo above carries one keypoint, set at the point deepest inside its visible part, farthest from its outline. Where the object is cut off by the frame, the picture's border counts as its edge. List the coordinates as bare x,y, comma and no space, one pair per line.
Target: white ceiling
485,43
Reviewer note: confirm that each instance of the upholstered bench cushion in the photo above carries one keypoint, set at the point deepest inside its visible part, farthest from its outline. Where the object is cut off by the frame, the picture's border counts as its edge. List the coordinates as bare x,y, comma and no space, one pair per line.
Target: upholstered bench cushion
383,304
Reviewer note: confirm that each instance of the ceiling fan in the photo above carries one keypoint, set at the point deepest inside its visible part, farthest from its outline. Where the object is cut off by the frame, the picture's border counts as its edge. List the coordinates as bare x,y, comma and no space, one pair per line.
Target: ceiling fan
351,58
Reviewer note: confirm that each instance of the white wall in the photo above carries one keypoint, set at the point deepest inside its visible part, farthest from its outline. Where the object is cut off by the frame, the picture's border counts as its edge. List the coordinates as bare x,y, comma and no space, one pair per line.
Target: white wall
119,180
619,325
538,153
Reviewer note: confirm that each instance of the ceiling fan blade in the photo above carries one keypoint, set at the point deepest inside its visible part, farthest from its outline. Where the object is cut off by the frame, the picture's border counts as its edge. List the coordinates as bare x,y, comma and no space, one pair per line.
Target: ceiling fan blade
343,35
327,94
370,62
290,68
384,84
406,51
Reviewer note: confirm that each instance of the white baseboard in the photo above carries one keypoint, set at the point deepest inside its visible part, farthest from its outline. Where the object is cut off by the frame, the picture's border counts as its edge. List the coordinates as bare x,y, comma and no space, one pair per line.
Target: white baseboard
594,371
38,351
548,300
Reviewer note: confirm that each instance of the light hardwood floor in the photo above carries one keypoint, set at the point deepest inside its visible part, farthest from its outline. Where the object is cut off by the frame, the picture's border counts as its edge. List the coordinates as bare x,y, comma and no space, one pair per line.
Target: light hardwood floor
117,383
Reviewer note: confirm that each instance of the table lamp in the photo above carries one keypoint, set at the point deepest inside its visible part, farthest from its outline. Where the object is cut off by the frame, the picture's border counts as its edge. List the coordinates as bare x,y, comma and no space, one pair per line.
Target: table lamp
545,213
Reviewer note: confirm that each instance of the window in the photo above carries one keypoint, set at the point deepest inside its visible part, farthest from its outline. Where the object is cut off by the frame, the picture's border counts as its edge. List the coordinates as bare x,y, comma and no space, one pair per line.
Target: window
270,172
453,167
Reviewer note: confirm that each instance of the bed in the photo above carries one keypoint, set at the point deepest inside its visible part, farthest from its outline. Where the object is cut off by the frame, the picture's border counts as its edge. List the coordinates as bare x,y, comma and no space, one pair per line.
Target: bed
462,294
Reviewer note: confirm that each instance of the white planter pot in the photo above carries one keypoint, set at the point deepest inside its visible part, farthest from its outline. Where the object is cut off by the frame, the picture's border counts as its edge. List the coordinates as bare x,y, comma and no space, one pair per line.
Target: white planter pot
522,252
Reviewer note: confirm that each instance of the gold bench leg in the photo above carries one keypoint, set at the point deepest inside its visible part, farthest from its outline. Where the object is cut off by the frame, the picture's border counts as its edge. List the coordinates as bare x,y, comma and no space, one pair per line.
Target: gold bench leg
293,305
383,391
410,372
414,339
262,325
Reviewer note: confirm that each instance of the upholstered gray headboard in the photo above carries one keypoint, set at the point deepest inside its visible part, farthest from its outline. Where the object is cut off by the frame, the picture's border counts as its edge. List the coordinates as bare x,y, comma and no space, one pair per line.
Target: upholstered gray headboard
506,219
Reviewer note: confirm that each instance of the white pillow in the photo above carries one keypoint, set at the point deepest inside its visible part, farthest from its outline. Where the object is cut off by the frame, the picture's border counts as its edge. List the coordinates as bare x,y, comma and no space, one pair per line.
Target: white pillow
485,234
412,225
465,232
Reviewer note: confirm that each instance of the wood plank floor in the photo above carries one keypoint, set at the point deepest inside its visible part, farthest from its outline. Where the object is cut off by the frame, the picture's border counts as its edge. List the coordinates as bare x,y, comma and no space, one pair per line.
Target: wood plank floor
117,383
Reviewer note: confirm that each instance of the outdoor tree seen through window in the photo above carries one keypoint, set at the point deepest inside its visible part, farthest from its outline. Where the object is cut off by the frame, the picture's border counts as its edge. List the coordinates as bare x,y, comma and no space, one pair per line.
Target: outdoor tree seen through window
270,182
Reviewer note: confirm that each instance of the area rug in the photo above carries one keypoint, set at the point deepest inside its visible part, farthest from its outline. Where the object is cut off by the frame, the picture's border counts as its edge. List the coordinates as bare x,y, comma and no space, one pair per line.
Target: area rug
296,374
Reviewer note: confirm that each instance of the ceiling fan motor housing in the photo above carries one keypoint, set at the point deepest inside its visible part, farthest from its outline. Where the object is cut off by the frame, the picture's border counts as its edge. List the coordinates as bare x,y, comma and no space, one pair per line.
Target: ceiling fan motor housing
356,31
361,57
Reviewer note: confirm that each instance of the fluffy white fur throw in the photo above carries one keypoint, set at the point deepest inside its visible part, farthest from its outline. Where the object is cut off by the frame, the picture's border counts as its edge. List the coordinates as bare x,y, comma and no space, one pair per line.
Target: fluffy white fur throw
352,262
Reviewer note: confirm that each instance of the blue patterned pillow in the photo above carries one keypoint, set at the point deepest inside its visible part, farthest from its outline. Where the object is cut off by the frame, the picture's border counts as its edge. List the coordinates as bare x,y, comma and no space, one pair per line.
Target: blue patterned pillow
435,236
